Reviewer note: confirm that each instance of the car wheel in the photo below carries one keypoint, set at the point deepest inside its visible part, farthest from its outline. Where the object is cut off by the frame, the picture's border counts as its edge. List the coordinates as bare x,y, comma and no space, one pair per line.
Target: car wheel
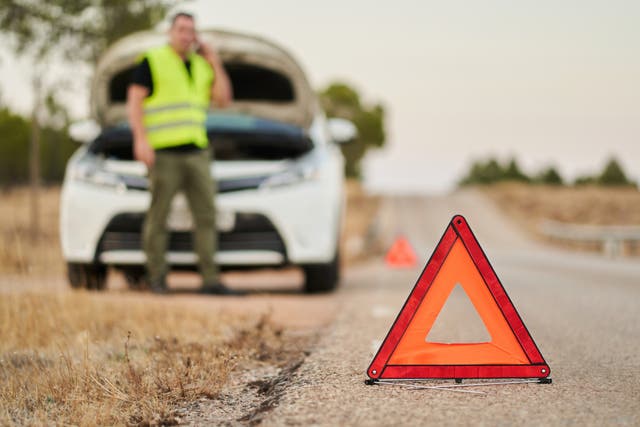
87,276
322,277
75,274
96,277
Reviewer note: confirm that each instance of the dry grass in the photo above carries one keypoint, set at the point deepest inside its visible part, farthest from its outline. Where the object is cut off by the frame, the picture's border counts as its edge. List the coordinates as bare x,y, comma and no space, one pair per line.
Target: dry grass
19,254
362,209
81,359
529,205
579,205
77,358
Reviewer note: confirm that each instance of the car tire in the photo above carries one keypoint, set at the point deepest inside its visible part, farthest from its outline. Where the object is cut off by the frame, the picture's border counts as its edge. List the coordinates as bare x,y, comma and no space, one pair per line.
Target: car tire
320,278
87,276
75,275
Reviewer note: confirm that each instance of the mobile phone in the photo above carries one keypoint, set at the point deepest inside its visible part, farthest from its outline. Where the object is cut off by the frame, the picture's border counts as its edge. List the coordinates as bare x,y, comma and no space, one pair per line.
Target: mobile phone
197,46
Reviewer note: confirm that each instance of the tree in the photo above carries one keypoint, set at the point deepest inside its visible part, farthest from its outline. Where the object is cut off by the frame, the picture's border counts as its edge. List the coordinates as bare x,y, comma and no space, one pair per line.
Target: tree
76,30
14,153
341,100
513,172
485,172
612,174
550,176
70,30
13,150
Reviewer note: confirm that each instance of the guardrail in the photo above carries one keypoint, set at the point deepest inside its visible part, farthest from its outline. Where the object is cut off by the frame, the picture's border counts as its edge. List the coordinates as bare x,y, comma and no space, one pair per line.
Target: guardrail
611,237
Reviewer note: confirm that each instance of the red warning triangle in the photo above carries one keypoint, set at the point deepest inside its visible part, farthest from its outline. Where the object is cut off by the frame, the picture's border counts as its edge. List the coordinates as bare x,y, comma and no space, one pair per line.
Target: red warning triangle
401,254
406,353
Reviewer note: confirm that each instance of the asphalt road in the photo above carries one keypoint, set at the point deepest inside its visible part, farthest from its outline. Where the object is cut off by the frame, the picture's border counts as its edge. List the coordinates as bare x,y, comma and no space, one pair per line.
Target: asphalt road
582,310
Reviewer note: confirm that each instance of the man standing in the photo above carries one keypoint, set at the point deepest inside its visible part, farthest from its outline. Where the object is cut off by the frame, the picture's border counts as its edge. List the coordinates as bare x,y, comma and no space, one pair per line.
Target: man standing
167,103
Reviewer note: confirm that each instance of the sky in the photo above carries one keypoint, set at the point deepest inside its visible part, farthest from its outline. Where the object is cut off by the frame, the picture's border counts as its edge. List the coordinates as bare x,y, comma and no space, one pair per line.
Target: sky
551,82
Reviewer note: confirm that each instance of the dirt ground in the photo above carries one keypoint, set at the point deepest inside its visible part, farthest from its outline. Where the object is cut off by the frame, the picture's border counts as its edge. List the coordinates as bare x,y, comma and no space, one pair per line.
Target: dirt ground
530,205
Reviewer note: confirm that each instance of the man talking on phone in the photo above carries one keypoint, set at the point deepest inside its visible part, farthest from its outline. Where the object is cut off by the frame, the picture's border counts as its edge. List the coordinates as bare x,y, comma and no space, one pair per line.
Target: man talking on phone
167,103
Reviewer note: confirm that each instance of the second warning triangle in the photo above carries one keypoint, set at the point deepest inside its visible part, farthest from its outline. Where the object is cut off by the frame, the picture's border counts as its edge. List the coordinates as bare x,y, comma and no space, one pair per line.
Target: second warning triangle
401,254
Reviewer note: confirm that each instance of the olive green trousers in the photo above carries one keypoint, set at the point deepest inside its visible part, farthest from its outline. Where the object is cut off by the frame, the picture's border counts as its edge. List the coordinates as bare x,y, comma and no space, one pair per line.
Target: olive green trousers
188,173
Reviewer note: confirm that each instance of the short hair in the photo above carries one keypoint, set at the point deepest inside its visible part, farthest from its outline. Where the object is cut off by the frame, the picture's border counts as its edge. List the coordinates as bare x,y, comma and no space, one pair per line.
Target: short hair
183,15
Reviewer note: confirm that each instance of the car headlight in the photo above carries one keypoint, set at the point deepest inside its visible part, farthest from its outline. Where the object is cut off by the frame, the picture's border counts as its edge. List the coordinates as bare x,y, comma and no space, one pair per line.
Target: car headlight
293,175
89,171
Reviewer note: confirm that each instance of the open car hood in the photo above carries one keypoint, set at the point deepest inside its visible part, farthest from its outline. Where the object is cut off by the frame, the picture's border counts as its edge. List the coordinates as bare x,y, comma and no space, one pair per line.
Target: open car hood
232,137
267,81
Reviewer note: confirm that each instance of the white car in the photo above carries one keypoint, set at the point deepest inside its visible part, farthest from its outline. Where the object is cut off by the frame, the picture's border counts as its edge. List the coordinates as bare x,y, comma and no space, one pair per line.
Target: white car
279,173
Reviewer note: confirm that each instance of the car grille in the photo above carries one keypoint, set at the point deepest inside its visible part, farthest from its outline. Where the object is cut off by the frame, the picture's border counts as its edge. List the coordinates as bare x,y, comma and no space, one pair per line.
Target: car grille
222,186
251,232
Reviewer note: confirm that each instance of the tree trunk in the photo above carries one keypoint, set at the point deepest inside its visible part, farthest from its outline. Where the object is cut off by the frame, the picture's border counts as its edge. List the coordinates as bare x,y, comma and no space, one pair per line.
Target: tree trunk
34,163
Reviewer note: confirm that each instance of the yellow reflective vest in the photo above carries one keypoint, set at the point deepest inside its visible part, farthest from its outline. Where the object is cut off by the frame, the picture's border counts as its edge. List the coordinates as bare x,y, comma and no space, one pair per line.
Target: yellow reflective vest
176,112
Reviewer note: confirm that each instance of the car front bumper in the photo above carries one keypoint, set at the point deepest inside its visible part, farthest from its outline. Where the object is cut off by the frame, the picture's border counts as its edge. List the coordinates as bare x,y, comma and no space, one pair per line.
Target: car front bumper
296,224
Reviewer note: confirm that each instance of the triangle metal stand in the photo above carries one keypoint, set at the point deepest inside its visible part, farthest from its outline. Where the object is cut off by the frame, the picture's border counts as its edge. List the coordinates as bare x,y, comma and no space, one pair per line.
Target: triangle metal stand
457,387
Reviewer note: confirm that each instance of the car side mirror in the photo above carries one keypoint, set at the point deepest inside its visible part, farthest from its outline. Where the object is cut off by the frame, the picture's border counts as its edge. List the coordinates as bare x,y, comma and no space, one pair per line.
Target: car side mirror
84,131
342,130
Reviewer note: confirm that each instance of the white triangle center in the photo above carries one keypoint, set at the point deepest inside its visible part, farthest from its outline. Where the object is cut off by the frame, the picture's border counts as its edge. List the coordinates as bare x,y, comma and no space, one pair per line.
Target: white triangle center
458,321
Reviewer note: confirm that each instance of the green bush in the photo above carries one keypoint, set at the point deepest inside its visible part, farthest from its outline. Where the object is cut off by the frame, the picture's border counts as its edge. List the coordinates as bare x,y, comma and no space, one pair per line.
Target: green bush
549,176
613,175
585,180
14,149
513,172
491,171
55,149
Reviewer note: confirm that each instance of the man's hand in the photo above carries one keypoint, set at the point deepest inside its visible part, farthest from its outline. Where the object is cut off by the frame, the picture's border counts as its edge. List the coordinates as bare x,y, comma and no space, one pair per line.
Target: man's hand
204,49
143,152
221,92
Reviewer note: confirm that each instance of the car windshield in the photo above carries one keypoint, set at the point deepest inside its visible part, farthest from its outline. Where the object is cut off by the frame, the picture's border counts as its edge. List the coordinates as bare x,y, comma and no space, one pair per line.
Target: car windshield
231,137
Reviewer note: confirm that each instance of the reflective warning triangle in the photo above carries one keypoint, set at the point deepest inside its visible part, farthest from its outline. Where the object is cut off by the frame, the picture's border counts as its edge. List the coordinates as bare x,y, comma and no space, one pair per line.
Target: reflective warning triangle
406,353
401,254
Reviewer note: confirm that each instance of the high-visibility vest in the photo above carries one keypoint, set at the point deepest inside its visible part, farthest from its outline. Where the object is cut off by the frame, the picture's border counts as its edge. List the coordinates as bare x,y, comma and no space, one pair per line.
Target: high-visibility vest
176,112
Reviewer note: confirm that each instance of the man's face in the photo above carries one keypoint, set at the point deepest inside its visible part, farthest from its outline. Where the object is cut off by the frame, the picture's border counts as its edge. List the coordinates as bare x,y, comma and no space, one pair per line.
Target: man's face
182,34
